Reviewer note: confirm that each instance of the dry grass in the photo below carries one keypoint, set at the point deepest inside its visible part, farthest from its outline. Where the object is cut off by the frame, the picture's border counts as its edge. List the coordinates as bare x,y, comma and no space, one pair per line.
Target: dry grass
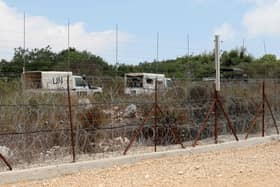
186,104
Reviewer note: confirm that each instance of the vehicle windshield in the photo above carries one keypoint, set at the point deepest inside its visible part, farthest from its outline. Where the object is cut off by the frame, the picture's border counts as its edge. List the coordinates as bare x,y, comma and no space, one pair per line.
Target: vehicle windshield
80,82
169,83
134,81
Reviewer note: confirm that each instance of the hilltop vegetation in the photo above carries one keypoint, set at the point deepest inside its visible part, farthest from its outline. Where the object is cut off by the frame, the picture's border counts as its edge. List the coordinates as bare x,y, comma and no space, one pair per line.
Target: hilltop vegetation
84,62
81,62
202,65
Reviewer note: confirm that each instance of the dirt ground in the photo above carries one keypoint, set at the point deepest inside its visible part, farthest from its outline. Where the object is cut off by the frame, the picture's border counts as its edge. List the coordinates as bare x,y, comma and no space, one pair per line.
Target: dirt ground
254,166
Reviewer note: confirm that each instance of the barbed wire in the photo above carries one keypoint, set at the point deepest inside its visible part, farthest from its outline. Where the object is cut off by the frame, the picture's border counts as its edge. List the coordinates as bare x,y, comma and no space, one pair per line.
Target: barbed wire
39,127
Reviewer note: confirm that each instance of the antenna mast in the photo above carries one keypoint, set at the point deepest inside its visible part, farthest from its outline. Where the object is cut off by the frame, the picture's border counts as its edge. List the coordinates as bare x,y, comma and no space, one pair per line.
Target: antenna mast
68,44
23,69
264,47
157,51
188,38
157,44
117,49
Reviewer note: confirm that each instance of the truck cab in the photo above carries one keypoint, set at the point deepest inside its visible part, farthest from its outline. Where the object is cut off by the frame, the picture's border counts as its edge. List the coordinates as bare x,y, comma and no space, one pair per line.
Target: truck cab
79,84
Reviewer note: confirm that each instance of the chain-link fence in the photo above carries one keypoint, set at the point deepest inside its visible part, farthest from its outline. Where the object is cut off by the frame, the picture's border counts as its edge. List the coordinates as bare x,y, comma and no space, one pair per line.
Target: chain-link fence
35,126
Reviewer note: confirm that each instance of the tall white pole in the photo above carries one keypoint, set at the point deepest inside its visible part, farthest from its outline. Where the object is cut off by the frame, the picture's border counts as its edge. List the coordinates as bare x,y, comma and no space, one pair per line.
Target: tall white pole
188,37
68,44
23,69
157,52
217,61
264,47
157,44
117,45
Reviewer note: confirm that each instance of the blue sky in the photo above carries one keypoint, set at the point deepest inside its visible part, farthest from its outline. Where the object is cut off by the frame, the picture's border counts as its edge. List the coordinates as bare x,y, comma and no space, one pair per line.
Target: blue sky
93,26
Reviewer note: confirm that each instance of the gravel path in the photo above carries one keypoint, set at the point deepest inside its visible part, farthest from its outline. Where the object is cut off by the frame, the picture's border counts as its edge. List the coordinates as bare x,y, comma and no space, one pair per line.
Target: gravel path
254,166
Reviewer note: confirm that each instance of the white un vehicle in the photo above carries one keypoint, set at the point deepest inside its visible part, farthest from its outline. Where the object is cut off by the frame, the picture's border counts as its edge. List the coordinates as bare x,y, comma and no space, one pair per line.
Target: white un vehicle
56,82
144,83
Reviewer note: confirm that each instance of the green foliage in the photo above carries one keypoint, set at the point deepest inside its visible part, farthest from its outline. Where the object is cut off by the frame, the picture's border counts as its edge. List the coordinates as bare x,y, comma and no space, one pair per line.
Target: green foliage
235,57
268,59
84,62
80,62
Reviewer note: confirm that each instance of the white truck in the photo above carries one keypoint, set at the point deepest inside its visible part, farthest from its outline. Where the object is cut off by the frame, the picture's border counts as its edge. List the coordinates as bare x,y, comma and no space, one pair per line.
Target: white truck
144,83
56,82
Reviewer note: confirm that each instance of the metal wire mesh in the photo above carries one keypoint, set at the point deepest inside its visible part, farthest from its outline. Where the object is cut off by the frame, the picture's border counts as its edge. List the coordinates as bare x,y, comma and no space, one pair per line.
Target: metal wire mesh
34,127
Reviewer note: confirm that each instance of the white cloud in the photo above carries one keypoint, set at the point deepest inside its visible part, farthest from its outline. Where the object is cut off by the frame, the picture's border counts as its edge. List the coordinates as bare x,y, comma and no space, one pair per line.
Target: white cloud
226,31
41,32
263,19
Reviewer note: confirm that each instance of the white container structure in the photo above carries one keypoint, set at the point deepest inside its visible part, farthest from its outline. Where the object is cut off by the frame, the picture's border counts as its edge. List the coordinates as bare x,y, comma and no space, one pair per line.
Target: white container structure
144,83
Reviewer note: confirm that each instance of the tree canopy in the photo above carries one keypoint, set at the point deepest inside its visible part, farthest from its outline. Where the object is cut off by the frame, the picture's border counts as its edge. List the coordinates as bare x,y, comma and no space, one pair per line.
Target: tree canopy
80,62
84,62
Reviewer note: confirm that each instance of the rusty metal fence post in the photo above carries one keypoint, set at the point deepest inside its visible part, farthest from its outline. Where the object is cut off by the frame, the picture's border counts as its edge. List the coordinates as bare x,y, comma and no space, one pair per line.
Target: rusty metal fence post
263,107
261,110
70,120
154,110
155,113
6,162
213,108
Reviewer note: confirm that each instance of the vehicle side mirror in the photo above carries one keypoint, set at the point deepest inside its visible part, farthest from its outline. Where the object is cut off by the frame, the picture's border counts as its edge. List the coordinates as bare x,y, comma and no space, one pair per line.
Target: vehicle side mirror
84,77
